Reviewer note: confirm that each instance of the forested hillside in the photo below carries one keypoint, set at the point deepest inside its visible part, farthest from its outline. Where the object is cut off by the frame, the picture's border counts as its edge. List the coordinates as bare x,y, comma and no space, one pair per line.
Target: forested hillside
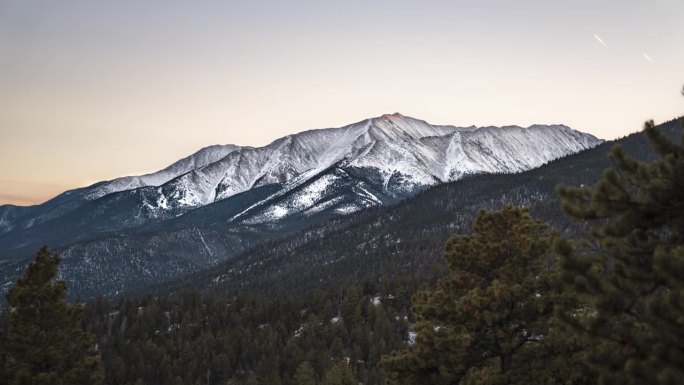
207,338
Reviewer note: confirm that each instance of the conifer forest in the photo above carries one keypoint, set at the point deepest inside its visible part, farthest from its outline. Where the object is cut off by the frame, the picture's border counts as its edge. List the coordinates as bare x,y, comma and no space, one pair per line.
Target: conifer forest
514,300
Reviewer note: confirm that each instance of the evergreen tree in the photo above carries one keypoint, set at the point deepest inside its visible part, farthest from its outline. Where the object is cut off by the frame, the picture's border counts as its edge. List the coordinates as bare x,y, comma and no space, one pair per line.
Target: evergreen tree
44,340
339,374
630,273
486,322
305,374
200,337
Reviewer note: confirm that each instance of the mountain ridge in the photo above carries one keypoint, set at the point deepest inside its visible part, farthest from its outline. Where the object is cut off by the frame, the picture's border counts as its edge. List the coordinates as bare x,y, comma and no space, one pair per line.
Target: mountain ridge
131,184
239,196
192,182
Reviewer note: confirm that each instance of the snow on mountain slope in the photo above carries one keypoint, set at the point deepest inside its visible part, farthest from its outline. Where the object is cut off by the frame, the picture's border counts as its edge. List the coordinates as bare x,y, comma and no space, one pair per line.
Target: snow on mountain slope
392,155
392,145
199,159
335,191
18,218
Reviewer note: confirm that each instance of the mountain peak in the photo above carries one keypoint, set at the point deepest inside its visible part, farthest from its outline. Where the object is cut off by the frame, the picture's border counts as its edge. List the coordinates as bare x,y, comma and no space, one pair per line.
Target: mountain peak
394,116
396,126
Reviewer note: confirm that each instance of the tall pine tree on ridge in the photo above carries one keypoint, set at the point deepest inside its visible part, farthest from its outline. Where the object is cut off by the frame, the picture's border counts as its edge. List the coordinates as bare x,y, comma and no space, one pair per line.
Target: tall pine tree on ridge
489,322
630,274
44,343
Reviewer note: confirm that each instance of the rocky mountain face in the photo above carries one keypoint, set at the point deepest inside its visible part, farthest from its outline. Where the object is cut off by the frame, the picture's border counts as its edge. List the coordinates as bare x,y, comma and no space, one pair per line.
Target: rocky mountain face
222,200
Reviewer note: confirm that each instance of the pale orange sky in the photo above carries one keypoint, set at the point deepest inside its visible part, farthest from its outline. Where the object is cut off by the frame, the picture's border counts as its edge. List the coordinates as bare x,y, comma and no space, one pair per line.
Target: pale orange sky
95,90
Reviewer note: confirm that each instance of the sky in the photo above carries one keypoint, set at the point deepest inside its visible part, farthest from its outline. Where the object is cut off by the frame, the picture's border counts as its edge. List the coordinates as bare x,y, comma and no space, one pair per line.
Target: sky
93,90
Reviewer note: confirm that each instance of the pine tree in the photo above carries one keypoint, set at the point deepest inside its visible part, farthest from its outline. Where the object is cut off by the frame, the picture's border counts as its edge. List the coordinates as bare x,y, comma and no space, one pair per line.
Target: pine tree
45,343
305,375
630,273
486,322
339,374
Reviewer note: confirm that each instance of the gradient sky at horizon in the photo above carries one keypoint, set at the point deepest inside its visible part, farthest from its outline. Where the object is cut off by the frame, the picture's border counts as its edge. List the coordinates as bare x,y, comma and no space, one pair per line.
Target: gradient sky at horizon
93,90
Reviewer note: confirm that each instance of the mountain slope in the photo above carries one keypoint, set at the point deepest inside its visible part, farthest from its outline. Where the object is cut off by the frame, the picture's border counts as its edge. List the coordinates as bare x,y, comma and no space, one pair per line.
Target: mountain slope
408,237
392,145
393,156
18,218
238,197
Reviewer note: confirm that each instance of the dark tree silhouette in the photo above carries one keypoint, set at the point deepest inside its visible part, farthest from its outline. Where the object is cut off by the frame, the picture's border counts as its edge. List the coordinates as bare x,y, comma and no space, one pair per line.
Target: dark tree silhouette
44,342
630,274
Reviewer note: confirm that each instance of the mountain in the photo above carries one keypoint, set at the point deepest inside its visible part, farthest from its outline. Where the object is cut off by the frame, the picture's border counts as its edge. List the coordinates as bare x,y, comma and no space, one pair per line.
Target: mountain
226,199
18,217
405,153
407,238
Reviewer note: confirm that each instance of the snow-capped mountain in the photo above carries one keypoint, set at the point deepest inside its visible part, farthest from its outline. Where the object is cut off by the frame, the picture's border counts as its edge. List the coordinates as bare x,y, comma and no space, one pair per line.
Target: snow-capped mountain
303,177
403,154
225,199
